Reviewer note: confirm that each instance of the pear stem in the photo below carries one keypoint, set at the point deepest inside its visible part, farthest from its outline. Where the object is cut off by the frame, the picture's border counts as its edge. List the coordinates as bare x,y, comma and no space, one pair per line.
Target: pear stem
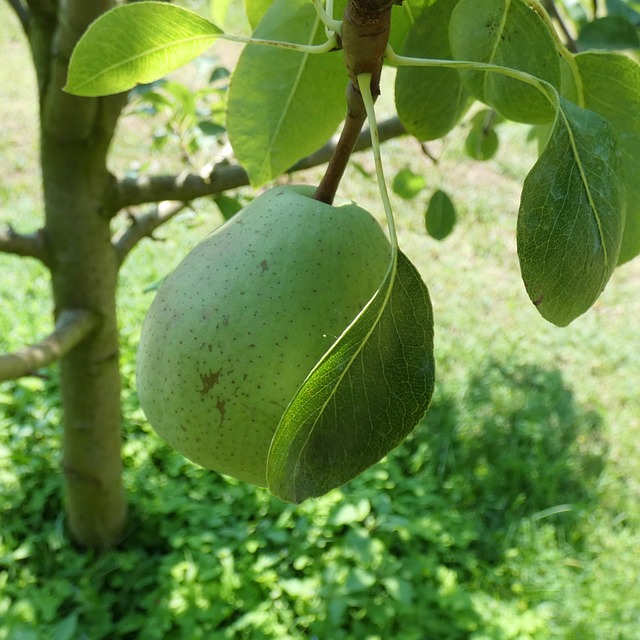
356,116
364,37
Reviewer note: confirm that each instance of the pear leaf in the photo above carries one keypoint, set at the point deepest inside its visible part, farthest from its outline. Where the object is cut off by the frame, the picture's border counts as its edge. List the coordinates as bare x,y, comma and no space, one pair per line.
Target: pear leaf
430,101
482,140
507,33
276,113
440,216
611,86
408,184
136,44
364,397
571,216
609,33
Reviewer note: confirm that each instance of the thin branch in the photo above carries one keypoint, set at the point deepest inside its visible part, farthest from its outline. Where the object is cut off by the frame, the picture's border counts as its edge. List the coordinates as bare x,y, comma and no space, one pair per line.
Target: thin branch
570,42
143,226
354,121
225,177
22,12
31,245
72,327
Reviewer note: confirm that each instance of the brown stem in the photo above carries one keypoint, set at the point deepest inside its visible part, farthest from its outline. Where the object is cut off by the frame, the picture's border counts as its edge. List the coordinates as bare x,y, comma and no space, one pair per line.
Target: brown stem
356,116
223,177
570,43
365,33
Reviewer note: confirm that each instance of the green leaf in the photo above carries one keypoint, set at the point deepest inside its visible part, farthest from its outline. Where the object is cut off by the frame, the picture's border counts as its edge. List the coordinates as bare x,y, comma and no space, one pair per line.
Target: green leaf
228,206
609,32
571,216
625,9
283,105
363,398
440,217
430,101
482,141
219,10
134,44
255,10
509,34
408,184
611,85
403,16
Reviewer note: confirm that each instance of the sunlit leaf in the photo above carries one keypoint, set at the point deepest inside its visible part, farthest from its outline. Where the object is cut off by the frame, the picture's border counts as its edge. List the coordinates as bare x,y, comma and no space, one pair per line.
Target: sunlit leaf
283,105
571,216
135,44
430,101
408,184
510,34
611,84
365,396
440,216
255,10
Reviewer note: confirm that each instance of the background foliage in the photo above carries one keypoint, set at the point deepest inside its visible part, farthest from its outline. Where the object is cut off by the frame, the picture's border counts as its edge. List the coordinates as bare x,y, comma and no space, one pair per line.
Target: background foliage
511,513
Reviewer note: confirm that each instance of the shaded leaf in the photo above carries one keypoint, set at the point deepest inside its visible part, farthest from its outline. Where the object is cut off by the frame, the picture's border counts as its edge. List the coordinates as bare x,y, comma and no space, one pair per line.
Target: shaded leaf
623,8
135,44
403,16
228,206
611,85
482,142
609,33
430,101
283,105
364,397
509,34
408,184
571,216
440,216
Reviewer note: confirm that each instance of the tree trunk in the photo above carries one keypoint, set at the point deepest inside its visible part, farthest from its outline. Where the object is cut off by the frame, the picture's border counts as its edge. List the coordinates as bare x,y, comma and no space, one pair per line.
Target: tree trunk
75,136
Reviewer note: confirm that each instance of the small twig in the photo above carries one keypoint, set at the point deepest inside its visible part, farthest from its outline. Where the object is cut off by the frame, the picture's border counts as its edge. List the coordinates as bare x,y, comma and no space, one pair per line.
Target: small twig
143,226
31,245
72,327
356,116
555,14
22,12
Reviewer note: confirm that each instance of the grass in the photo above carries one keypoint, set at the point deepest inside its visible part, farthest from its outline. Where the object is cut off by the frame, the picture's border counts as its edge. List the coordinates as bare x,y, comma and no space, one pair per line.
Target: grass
510,513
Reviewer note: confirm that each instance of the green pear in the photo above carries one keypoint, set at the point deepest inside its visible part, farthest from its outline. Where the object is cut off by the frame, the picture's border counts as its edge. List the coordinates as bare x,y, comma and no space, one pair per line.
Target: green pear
234,331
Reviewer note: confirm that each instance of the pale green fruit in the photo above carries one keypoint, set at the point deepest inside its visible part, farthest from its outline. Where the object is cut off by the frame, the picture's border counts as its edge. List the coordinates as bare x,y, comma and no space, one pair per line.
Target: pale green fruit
236,328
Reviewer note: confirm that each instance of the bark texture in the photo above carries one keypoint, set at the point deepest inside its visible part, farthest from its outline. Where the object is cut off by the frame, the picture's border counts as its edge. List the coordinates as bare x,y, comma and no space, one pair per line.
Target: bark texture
75,136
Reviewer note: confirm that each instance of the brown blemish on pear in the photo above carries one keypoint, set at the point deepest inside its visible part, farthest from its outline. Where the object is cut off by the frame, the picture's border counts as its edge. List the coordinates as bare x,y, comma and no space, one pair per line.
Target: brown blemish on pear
249,312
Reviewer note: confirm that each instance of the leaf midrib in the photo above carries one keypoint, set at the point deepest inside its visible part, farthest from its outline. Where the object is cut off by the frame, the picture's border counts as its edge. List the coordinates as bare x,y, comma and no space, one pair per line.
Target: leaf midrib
393,267
294,87
585,182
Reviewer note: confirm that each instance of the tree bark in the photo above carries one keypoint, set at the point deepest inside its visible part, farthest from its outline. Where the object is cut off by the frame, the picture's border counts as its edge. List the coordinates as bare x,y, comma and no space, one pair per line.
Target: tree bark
75,136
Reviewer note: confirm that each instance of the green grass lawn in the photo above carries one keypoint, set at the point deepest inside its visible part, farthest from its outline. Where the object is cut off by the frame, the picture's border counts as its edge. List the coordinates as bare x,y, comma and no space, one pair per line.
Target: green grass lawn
511,513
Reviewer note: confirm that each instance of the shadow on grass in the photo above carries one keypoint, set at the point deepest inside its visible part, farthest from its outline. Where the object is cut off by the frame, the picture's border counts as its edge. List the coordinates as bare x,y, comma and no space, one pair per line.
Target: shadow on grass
402,549
517,445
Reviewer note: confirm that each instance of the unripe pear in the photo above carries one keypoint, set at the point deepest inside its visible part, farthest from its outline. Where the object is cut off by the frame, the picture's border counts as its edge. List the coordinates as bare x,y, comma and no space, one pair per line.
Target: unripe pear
234,331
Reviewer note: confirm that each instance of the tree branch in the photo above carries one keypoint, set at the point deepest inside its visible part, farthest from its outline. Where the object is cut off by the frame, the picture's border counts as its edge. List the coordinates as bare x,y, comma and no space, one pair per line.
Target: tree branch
570,42
31,245
72,327
224,177
22,12
143,226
